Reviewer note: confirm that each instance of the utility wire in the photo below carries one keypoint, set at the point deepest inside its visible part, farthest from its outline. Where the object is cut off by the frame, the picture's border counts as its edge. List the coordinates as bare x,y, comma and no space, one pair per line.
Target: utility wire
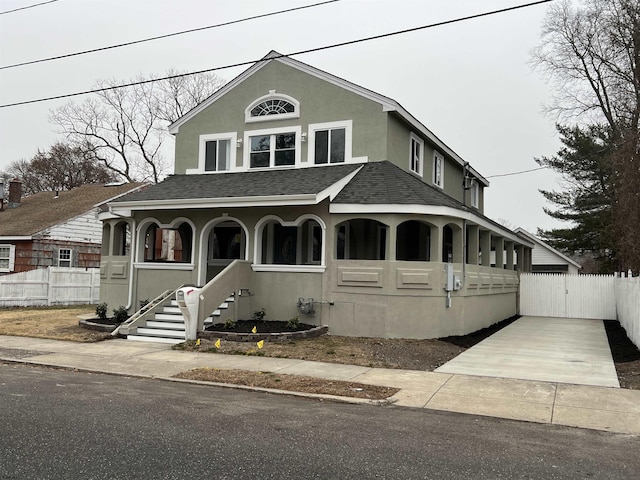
516,173
149,39
28,6
300,52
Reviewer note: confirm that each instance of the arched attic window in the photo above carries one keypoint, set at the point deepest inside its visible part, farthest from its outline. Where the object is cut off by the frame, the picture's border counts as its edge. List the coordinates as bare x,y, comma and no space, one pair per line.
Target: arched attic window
273,106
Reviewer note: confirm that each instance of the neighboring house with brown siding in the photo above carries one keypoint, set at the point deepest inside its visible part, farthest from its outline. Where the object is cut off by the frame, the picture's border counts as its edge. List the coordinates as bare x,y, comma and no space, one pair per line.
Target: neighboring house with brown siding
54,228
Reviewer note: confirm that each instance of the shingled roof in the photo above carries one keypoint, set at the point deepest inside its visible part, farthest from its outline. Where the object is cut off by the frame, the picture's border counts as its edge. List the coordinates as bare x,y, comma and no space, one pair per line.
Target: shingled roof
264,183
386,183
43,210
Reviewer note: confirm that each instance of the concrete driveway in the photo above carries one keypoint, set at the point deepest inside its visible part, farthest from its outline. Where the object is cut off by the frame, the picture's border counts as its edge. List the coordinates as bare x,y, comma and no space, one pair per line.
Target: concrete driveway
564,350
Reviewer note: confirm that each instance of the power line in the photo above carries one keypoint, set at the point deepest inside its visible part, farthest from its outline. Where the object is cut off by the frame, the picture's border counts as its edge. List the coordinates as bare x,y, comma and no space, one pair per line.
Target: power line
516,173
149,39
28,6
300,52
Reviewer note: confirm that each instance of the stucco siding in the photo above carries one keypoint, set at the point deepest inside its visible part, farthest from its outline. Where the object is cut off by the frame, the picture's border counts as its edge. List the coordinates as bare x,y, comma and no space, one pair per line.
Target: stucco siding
320,102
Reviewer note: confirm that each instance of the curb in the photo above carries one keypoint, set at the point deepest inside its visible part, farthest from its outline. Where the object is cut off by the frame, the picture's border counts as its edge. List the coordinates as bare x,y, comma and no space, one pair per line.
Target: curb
314,396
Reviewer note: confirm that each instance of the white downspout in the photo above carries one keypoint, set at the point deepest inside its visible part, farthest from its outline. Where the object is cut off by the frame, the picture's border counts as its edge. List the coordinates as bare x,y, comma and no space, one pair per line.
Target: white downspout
134,243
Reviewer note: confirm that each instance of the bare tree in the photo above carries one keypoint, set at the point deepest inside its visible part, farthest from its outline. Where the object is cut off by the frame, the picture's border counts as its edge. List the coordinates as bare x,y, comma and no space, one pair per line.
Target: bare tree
62,167
590,52
125,127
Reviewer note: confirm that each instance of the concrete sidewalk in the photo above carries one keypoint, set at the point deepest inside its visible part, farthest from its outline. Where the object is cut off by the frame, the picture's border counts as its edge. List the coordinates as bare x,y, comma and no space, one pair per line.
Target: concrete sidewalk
601,408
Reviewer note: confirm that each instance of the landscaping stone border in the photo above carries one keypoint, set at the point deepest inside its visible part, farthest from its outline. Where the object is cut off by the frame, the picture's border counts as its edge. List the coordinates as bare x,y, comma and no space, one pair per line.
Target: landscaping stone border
267,337
100,327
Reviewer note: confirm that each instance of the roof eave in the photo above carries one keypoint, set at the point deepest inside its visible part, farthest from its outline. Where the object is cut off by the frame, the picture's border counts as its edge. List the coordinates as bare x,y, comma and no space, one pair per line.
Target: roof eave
223,202
428,210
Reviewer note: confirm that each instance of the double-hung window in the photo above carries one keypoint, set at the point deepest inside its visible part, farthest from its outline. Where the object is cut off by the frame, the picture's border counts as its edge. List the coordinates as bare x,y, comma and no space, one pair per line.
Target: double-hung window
65,256
416,154
438,169
217,153
7,258
272,148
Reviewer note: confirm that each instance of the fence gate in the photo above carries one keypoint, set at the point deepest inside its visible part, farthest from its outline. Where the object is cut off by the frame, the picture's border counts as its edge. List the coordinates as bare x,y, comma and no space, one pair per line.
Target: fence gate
568,296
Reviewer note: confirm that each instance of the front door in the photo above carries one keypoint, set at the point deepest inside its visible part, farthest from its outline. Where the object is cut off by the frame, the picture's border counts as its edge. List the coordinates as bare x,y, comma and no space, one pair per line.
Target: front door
226,243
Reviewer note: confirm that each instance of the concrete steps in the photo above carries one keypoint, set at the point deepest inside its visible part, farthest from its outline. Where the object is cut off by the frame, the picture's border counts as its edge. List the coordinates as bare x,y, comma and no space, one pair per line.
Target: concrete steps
168,325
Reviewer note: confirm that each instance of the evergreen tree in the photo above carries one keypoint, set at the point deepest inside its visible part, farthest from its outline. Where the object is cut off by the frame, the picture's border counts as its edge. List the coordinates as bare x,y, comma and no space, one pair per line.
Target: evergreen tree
587,197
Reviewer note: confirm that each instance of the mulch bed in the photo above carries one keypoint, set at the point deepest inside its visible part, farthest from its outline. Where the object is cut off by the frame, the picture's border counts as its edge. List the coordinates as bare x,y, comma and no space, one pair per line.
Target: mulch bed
261,326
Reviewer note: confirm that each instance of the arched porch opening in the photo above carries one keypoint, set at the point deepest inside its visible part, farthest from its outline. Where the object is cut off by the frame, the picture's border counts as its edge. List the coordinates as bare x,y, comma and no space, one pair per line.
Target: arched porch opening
452,243
361,239
300,242
167,244
413,241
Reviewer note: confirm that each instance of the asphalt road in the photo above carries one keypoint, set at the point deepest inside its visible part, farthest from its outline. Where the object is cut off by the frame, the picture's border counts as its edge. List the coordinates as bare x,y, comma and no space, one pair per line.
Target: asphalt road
69,425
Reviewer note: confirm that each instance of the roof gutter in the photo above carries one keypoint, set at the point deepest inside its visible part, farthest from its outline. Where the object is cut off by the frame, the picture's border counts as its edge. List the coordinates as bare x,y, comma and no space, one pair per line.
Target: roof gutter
16,238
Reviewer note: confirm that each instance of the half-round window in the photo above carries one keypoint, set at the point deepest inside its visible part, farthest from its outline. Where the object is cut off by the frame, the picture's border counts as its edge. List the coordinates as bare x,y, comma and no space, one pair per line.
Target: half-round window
273,106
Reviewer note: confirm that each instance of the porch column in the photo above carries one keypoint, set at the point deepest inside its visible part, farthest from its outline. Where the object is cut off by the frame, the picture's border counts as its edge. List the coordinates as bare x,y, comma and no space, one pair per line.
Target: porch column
392,240
529,260
520,258
472,244
509,247
485,247
436,243
499,248
457,245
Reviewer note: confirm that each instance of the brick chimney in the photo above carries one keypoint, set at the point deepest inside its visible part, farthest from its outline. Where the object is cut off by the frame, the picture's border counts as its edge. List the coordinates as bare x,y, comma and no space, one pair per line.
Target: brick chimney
15,193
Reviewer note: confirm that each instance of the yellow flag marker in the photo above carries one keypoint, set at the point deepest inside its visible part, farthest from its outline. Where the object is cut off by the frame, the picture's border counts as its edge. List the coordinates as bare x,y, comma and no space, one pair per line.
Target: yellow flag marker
217,344
260,344
254,329
198,342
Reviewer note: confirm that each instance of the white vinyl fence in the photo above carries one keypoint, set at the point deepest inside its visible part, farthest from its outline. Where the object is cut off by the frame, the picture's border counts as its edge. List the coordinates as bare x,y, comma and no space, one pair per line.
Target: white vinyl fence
568,296
50,286
628,306
604,297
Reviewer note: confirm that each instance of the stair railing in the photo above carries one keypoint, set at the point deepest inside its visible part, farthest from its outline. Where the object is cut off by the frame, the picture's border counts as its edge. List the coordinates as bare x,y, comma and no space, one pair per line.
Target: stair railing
237,275
144,313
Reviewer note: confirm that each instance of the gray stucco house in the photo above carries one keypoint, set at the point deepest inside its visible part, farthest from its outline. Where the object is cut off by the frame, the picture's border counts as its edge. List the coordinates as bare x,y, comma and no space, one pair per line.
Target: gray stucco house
291,183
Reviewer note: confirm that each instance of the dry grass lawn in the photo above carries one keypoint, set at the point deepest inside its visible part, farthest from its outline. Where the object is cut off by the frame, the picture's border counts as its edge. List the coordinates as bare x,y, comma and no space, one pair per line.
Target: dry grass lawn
293,383
58,323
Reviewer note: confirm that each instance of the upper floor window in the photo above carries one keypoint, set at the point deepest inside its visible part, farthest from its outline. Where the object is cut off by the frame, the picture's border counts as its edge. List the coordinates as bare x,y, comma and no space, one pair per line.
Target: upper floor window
7,258
329,146
217,153
474,193
438,169
416,154
330,142
272,148
273,106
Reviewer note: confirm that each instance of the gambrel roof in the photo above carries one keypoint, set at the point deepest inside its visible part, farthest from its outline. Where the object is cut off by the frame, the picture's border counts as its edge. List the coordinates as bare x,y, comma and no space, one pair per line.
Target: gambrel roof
387,104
